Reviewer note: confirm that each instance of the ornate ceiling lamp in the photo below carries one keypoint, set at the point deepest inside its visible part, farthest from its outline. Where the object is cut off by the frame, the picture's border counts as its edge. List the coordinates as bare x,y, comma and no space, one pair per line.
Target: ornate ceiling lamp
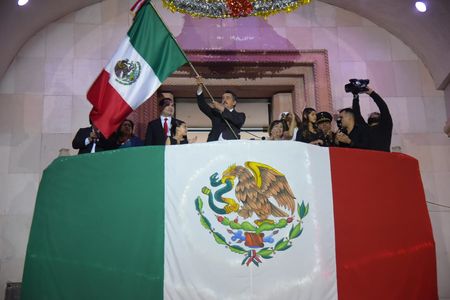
233,8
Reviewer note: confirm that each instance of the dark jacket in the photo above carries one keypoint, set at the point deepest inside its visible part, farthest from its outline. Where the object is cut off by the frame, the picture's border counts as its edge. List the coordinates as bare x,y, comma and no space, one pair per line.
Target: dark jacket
306,136
234,118
329,139
359,137
101,145
175,142
380,135
155,132
134,141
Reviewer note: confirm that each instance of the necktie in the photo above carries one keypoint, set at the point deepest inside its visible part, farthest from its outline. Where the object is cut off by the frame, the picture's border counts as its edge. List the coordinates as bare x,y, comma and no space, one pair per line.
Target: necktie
166,127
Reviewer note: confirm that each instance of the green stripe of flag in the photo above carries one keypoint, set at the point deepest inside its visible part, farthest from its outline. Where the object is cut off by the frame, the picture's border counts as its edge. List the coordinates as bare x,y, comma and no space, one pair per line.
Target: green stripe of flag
151,39
98,228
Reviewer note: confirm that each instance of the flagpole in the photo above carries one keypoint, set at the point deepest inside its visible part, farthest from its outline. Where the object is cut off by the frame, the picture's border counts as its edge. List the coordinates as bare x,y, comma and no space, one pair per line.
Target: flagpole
192,67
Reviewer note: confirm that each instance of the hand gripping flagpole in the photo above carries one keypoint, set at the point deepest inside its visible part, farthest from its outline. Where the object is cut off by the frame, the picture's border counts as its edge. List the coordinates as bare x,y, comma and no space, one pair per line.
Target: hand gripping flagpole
135,8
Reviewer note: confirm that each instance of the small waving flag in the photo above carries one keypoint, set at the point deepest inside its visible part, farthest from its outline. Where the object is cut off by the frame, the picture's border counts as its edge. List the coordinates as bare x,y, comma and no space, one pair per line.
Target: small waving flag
145,58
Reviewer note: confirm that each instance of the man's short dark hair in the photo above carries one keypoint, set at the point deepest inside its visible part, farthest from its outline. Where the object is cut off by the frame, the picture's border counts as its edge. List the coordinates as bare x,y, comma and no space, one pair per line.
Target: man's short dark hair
235,98
165,102
176,124
131,122
347,110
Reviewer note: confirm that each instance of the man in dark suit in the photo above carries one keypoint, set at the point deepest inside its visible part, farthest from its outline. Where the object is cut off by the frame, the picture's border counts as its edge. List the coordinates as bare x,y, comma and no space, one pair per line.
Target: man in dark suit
91,140
219,112
159,129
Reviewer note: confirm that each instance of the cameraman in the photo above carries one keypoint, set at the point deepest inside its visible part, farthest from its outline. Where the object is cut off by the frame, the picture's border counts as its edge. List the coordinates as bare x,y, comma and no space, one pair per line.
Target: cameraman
380,124
352,133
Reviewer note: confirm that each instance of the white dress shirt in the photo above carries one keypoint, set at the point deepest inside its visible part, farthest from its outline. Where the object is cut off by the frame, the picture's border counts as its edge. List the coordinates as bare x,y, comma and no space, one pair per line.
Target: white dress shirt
87,142
169,123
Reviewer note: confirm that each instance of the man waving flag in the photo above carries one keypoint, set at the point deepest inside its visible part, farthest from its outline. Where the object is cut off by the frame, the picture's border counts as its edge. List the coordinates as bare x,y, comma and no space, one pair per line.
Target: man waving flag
144,59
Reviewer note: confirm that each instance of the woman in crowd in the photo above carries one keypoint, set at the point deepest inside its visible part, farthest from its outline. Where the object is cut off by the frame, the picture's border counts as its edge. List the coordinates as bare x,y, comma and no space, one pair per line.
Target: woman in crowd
179,134
277,130
293,122
308,132
126,137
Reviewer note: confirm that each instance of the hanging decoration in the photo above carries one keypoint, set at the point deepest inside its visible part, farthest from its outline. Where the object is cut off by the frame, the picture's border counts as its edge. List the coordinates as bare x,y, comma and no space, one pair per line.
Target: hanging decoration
239,8
233,8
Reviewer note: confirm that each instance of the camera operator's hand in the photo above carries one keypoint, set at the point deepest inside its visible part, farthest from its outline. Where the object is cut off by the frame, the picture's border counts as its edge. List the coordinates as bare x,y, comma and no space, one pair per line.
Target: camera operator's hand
287,117
369,90
343,138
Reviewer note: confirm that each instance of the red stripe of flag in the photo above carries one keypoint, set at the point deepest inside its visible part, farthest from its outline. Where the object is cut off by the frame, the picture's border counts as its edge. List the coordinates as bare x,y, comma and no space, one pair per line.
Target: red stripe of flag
109,108
384,240
137,6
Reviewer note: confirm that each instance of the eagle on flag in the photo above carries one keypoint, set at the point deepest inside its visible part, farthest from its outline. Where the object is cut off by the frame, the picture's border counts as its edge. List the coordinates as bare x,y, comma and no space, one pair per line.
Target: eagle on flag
257,183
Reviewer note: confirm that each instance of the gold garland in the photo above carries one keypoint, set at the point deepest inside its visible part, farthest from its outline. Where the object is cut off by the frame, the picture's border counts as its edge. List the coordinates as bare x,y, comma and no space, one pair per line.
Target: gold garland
233,8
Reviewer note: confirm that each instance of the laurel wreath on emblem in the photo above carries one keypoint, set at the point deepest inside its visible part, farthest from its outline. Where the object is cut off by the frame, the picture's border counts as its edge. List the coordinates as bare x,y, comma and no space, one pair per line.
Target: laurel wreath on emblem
127,71
255,239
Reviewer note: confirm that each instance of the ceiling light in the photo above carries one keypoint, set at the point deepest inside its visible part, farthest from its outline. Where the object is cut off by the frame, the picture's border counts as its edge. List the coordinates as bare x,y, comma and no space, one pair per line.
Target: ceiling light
421,6
22,2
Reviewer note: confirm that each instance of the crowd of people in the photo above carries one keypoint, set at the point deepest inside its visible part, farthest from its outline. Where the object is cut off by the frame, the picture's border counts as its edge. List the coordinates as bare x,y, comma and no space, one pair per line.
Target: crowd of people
352,130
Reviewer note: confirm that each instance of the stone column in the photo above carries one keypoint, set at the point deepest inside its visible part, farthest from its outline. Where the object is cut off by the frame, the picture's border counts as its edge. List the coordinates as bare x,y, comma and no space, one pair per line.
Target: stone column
281,102
447,104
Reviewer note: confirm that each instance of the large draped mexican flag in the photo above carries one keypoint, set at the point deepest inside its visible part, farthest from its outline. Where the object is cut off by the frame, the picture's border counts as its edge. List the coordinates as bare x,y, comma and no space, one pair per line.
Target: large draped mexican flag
231,220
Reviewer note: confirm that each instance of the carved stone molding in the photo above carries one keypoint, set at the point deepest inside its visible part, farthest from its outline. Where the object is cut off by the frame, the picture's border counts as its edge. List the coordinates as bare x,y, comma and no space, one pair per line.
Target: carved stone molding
305,73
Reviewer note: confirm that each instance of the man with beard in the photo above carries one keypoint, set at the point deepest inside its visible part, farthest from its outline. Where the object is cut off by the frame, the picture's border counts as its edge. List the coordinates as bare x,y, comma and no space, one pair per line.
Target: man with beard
226,122
351,134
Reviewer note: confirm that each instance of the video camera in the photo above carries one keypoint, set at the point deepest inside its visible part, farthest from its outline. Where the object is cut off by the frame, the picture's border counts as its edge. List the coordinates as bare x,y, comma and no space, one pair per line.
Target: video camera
357,86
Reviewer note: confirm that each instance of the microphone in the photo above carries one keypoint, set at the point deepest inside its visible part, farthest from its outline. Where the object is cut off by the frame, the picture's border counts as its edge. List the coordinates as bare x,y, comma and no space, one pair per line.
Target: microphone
252,134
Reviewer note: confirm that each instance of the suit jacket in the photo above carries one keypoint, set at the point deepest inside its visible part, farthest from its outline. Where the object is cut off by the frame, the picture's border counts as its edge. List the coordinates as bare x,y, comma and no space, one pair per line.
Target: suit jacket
234,118
102,144
155,132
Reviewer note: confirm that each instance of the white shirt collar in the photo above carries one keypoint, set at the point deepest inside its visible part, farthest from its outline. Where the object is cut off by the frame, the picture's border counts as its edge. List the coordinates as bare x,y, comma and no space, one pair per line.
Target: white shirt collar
169,119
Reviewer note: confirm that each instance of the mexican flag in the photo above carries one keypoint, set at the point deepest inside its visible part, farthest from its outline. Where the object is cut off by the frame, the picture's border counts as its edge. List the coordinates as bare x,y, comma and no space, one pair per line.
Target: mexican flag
231,220
144,59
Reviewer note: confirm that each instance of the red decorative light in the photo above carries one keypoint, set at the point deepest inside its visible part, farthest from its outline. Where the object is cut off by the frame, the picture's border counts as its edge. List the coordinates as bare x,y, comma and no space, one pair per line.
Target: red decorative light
239,8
